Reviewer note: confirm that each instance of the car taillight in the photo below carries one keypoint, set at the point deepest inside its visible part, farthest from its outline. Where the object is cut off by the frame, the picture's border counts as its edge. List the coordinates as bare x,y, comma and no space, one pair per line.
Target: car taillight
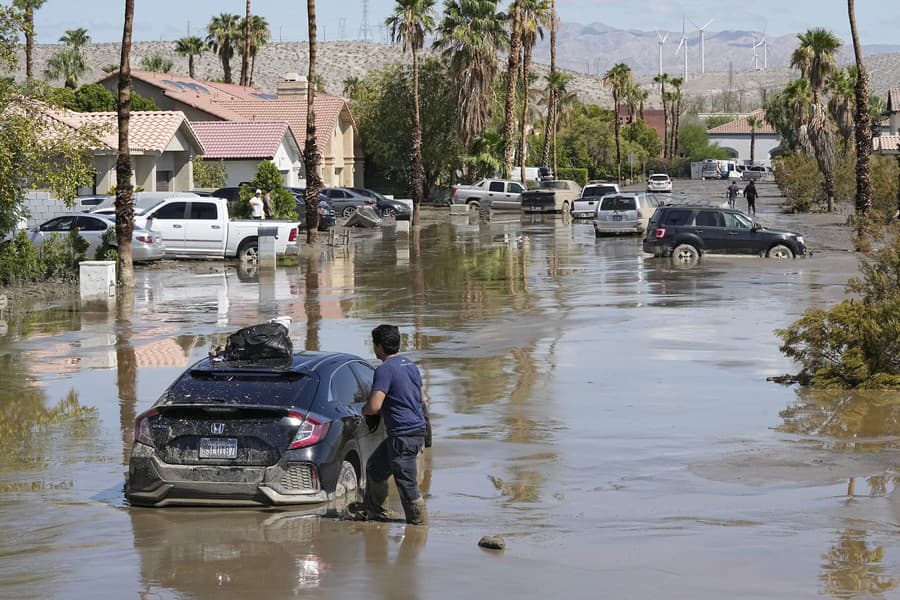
146,239
369,202
640,214
142,427
310,431
293,236
452,191
660,232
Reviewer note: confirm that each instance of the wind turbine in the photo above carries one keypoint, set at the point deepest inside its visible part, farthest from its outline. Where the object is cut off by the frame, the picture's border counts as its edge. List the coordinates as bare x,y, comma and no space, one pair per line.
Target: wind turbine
765,46
660,40
755,53
683,44
702,49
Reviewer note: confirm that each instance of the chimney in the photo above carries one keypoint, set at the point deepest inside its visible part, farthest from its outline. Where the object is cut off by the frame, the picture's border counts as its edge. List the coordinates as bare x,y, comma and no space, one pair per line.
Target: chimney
294,85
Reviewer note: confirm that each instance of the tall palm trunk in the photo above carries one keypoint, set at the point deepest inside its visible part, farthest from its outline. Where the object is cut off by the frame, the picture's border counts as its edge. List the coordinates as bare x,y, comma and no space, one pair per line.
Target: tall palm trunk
863,125
617,128
124,198
665,105
549,127
821,138
245,55
29,43
526,64
191,65
512,72
418,174
310,148
252,70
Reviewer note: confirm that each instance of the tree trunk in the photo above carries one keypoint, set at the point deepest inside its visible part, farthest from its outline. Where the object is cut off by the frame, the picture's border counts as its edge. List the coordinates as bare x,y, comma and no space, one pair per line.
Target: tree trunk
752,145
863,125
29,44
897,216
124,198
512,72
555,131
311,156
526,64
252,70
617,127
549,128
245,55
191,65
662,91
418,175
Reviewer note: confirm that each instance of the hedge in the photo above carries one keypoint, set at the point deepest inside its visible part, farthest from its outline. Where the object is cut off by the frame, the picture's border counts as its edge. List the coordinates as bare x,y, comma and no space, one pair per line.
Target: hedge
580,176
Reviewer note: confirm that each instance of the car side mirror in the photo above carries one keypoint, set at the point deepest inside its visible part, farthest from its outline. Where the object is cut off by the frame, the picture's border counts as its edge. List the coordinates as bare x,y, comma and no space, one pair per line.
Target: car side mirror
756,226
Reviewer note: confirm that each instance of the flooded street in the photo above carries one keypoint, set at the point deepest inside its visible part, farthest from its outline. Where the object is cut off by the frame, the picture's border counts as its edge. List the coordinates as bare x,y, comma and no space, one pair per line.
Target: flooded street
606,413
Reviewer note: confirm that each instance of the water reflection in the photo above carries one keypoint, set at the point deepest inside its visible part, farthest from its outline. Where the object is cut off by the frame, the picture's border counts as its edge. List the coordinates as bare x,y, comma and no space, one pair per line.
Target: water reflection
854,567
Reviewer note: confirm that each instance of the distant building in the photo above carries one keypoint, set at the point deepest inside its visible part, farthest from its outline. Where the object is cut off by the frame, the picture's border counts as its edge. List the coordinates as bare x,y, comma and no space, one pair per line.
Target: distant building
241,145
890,143
337,136
893,106
734,137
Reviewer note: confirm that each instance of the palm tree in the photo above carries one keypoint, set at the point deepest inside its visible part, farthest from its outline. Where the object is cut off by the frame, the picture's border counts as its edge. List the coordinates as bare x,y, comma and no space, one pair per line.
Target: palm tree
352,87
662,79
411,21
558,100
156,64
469,36
675,106
124,198
841,98
550,126
76,38
619,80
512,74
754,123
311,157
245,45
535,17
259,37
863,122
223,32
190,46
815,57
28,7
67,64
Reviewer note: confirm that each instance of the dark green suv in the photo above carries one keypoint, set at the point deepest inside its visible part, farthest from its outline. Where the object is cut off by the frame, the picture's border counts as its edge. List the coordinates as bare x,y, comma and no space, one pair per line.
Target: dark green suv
686,232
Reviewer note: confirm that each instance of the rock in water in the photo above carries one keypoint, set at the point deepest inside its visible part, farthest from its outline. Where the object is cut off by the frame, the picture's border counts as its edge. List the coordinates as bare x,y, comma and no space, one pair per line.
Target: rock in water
492,542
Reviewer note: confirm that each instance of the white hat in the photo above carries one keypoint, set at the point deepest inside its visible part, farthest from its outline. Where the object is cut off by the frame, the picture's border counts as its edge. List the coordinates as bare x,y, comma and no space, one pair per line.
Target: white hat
259,191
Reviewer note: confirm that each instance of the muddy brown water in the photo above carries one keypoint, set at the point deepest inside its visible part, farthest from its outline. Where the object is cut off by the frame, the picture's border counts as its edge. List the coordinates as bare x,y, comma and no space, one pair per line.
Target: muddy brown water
606,413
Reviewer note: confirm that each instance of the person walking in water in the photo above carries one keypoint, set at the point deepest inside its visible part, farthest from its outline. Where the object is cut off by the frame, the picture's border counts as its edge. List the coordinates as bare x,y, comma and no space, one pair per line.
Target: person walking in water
751,194
397,397
732,193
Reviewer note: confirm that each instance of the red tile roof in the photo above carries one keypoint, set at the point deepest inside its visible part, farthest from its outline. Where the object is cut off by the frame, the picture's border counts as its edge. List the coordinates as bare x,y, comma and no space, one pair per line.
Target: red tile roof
741,127
148,131
888,144
894,100
242,139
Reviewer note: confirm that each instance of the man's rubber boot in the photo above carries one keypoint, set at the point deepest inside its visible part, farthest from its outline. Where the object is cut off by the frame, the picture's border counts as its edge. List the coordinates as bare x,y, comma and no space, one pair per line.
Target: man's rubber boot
374,504
416,512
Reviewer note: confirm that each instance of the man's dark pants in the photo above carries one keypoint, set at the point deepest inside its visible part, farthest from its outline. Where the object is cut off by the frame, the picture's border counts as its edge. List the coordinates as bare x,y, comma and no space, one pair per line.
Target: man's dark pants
396,456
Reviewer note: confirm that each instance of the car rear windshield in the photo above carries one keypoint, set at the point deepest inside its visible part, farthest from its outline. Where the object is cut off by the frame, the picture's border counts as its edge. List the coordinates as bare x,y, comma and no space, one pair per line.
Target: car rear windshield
243,386
555,185
617,203
659,177
597,191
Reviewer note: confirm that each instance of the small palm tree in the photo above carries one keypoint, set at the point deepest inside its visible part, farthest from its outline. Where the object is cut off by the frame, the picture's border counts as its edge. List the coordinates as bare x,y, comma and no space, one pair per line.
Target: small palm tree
223,34
28,7
67,64
841,101
662,79
190,46
411,21
156,64
558,101
259,37
619,80
754,122
676,100
76,38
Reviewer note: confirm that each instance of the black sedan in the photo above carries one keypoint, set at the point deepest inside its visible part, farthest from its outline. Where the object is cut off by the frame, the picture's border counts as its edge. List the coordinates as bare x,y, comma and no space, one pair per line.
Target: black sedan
386,207
270,432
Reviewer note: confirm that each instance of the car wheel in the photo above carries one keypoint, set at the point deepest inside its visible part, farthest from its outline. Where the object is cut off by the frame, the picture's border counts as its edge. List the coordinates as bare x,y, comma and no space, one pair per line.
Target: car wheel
686,253
348,211
780,251
565,207
473,204
388,212
347,482
249,251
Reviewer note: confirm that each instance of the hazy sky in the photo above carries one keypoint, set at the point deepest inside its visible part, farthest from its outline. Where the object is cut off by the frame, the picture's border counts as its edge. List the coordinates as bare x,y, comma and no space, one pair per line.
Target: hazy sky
879,20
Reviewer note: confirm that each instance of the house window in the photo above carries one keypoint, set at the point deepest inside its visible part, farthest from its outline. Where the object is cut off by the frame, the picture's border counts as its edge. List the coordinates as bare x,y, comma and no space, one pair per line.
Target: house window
163,181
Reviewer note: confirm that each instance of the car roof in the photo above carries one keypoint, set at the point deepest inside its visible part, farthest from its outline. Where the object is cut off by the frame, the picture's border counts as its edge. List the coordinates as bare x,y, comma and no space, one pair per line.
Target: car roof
300,362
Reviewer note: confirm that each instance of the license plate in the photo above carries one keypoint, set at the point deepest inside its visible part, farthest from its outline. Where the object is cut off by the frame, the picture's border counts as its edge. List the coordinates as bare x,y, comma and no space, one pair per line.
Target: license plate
617,217
533,208
218,448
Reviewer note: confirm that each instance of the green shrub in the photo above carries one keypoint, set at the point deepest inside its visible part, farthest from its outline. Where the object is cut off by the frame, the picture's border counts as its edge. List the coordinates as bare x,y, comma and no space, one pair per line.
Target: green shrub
267,178
57,260
797,176
19,261
209,174
579,176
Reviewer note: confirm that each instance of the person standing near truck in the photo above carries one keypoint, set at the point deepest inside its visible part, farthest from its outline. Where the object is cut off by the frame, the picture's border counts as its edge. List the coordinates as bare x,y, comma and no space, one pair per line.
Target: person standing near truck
256,206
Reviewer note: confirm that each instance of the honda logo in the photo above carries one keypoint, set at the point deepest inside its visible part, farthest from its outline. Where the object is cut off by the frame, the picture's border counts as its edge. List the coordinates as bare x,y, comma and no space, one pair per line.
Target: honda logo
217,428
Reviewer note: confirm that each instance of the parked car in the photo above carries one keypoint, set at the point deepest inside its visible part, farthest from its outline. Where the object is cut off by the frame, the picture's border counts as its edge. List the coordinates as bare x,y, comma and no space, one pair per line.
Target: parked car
754,173
499,194
145,245
585,207
346,202
201,226
659,182
625,212
266,432
687,232
90,203
327,216
554,195
386,207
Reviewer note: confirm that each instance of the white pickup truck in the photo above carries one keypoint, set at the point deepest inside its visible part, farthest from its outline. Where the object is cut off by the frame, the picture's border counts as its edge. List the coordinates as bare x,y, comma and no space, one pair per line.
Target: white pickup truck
201,227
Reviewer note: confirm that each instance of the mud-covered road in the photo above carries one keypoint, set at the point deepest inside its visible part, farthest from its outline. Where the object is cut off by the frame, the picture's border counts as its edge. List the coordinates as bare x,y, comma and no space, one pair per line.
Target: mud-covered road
606,413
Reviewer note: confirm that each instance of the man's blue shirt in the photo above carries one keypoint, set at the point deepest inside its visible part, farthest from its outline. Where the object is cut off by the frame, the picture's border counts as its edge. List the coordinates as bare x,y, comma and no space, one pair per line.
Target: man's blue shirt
401,383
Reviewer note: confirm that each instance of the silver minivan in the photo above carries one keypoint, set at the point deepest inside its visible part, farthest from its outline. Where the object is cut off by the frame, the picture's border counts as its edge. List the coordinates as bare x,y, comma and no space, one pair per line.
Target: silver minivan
626,212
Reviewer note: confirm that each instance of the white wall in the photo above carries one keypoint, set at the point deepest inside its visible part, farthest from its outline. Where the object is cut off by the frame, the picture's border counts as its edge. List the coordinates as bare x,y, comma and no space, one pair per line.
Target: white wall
741,143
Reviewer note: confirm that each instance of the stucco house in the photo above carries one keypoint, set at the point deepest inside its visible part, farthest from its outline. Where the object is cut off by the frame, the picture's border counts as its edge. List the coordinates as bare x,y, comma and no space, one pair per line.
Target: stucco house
241,145
890,143
337,136
734,137
162,145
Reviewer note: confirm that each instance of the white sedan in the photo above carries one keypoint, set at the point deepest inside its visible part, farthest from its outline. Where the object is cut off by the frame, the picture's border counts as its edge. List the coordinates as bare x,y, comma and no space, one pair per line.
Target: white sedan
145,245
659,182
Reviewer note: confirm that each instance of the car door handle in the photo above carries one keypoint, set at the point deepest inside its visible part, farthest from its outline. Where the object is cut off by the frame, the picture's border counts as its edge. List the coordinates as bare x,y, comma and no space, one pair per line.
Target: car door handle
732,233
217,227
176,226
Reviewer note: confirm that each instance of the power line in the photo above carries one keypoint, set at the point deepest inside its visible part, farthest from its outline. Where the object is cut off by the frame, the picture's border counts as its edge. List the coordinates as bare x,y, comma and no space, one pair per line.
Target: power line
364,24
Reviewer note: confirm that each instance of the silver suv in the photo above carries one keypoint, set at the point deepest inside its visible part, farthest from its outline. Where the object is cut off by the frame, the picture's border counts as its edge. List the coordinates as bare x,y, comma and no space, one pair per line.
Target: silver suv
626,212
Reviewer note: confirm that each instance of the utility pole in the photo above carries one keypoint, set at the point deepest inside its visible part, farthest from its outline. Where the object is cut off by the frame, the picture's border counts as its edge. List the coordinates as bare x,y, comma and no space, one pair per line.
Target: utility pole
364,24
